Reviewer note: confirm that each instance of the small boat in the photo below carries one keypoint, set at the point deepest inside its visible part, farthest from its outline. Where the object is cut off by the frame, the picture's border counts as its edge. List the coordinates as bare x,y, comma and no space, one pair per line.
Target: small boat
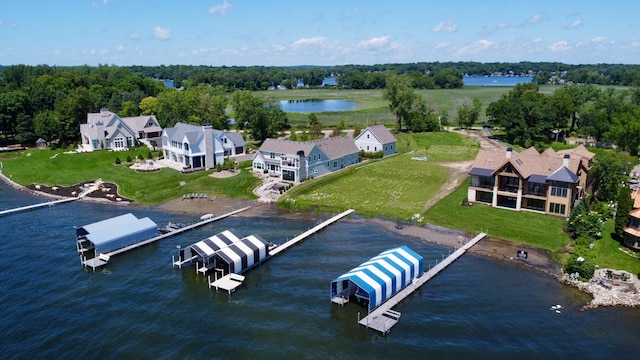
170,227
206,217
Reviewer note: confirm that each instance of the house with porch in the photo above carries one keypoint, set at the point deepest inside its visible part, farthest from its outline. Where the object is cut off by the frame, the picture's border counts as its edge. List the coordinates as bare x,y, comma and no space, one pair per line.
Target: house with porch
192,147
298,161
549,182
376,138
632,229
107,131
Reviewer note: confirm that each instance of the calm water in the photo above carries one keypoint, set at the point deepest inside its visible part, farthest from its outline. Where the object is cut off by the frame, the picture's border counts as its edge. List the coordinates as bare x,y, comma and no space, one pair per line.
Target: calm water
496,80
308,106
140,307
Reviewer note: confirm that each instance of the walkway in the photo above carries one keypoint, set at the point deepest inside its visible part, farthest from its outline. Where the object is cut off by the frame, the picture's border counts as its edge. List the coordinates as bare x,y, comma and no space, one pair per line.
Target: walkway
308,233
84,193
383,318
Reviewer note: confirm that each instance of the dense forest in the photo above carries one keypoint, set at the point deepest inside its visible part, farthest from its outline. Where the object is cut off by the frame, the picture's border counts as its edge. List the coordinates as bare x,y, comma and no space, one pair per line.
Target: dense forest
51,101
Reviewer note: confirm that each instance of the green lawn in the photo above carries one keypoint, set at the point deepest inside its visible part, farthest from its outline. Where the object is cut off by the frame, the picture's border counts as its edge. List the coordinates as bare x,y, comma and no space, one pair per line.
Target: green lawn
607,252
542,231
41,167
396,187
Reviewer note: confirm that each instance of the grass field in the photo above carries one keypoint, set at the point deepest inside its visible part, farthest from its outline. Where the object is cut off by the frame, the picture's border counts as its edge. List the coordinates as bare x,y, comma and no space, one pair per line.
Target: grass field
43,166
371,107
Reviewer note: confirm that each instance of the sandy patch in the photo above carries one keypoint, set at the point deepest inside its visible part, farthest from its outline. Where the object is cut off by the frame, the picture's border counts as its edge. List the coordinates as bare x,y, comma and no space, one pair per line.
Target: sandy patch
224,174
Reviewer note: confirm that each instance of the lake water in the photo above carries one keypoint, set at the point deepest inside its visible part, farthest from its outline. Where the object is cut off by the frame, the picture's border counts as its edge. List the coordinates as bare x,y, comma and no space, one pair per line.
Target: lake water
140,307
310,105
496,80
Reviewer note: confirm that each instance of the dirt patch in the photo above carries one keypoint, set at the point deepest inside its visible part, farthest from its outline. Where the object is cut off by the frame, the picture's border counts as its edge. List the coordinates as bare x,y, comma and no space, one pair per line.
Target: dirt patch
224,174
458,171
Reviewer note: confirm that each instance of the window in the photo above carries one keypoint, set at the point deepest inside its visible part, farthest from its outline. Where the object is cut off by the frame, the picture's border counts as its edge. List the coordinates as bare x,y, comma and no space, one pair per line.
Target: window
272,155
367,136
537,189
129,141
335,164
559,189
367,147
482,181
186,146
535,204
557,208
118,143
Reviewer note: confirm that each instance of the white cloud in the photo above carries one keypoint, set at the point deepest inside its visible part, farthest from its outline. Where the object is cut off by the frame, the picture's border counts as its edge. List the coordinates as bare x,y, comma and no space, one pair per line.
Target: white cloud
120,48
535,18
448,26
162,33
599,39
319,40
502,25
95,51
220,8
574,24
442,45
375,42
560,46
476,47
133,35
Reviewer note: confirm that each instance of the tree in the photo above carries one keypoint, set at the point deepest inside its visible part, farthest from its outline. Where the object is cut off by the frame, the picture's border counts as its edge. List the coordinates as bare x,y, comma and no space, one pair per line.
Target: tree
400,93
563,104
356,131
46,125
263,120
149,106
622,211
524,113
422,117
607,175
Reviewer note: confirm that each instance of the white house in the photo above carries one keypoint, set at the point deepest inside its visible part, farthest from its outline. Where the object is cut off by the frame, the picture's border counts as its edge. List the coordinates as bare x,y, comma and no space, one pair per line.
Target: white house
195,147
297,161
376,138
106,130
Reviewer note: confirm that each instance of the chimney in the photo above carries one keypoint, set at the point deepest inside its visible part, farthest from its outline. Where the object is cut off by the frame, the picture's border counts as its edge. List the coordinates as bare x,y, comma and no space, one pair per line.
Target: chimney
104,111
509,150
565,161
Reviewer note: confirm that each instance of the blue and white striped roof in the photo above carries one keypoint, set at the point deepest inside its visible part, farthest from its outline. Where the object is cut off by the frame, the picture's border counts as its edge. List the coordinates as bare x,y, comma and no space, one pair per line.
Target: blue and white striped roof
381,277
243,254
208,247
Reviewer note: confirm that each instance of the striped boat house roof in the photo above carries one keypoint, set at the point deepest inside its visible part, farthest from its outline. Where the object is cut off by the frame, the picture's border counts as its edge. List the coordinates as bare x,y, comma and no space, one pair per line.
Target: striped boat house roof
226,251
379,278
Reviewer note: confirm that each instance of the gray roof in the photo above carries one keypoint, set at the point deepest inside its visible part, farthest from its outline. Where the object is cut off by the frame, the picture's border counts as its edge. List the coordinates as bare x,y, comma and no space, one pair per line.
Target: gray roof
286,146
140,123
337,146
481,172
193,133
236,138
564,175
381,133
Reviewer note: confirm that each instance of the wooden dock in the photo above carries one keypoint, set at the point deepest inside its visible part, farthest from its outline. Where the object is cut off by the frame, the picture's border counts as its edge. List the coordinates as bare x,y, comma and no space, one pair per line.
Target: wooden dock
49,203
304,235
102,259
383,318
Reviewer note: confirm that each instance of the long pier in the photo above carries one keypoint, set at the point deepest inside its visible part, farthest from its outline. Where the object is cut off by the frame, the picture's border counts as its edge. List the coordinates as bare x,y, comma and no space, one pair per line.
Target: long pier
304,235
49,203
383,318
103,259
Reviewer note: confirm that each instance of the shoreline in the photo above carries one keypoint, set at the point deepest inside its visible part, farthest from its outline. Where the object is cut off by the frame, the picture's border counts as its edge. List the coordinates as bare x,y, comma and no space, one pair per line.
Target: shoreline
497,249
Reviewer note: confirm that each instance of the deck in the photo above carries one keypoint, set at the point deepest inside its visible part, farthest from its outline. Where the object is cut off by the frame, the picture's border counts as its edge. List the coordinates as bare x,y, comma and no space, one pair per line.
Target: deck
228,282
383,318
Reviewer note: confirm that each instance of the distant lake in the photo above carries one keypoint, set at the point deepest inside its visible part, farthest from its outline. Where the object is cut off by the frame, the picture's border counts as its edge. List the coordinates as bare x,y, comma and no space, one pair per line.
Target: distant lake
496,80
311,105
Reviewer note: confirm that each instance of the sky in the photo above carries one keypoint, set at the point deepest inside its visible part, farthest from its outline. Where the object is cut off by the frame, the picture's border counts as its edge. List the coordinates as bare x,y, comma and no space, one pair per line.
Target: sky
320,32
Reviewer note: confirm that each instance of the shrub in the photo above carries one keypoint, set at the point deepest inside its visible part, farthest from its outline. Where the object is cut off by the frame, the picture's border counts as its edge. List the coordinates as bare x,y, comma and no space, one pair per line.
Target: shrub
129,158
118,161
584,268
149,155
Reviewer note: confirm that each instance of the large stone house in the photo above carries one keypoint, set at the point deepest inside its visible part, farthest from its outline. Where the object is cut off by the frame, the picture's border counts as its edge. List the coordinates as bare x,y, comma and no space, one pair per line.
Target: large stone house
298,161
194,147
549,182
107,131
376,138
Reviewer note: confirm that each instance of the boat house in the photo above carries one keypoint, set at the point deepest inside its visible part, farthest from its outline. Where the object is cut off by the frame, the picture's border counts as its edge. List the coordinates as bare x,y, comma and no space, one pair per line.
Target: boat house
226,252
95,241
376,280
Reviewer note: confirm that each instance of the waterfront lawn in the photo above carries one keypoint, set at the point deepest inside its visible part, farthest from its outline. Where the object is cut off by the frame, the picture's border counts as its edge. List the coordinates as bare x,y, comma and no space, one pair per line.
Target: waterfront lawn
542,231
43,166
395,187
608,255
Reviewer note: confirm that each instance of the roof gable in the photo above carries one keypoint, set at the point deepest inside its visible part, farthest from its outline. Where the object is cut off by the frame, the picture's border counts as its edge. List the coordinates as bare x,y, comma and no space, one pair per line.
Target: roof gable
337,146
563,175
380,132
